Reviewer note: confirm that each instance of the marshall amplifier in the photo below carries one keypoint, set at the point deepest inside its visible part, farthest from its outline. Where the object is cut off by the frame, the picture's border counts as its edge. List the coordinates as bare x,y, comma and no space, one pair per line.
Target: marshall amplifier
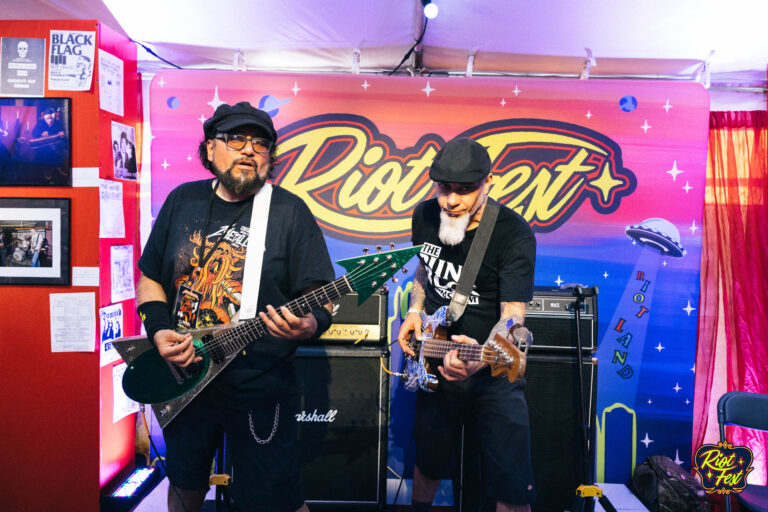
550,317
343,426
365,324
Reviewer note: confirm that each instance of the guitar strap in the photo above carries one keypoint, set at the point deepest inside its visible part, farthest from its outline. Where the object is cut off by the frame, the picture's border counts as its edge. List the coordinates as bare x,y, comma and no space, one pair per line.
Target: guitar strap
254,255
474,259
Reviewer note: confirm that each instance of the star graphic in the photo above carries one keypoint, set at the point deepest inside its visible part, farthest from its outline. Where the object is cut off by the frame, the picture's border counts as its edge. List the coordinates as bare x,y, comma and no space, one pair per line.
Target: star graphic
664,263
189,158
428,89
650,401
559,281
588,115
605,182
687,187
517,91
709,475
215,102
647,440
502,102
674,171
202,118
161,83
365,85
646,126
667,106
693,368
659,347
693,228
677,387
687,401
295,88
677,458
165,165
689,308
605,274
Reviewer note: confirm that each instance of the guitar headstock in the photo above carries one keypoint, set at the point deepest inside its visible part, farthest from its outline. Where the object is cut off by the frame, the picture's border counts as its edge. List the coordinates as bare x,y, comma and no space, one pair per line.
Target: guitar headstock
369,272
507,347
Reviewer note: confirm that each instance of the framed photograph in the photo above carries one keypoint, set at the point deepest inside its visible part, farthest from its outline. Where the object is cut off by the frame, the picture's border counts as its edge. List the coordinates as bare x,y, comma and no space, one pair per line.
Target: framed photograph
124,151
34,240
35,141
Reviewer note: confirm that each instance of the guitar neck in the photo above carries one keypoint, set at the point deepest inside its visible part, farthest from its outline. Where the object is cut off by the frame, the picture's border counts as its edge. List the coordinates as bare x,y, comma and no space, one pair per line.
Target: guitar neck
467,352
235,339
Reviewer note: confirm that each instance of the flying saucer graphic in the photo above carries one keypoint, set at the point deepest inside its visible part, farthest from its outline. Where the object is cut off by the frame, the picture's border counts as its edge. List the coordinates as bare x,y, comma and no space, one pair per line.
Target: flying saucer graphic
271,105
657,234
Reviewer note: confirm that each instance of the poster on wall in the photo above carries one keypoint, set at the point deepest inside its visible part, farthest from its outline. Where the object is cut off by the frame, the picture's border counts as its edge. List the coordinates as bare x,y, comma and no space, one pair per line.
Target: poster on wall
34,240
22,66
35,141
110,83
70,60
609,175
111,323
121,265
124,151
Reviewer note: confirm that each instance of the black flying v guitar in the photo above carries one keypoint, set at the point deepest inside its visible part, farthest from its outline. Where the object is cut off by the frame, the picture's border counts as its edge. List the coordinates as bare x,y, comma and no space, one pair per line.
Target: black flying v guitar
150,379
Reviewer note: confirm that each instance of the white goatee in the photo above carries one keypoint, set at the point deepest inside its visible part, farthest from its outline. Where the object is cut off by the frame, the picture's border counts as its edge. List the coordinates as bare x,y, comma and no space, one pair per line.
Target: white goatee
453,229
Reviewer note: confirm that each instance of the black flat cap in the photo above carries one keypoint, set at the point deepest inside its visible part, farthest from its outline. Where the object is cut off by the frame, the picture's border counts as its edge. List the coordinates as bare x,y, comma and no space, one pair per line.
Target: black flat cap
460,160
229,117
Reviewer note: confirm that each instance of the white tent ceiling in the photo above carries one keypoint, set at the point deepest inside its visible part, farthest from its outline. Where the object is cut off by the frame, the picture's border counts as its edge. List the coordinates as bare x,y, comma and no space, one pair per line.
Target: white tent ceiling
630,39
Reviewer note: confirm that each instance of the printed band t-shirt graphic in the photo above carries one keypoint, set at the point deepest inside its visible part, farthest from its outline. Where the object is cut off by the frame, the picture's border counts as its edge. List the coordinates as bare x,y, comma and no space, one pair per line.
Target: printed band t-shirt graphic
211,294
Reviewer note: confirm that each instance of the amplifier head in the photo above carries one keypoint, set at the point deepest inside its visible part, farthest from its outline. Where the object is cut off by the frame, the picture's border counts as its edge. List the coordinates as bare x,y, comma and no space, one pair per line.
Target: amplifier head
551,318
366,322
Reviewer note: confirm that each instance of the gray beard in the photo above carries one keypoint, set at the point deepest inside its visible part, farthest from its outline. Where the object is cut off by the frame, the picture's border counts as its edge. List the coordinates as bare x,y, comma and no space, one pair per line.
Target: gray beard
453,229
243,186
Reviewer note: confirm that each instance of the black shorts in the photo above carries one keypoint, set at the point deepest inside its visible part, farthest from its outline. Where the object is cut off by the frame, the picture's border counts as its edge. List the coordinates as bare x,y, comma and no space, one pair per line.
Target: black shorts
495,417
265,477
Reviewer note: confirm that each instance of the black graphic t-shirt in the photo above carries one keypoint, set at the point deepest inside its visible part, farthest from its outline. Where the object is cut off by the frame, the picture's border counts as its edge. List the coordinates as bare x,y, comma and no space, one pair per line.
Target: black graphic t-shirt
295,258
506,273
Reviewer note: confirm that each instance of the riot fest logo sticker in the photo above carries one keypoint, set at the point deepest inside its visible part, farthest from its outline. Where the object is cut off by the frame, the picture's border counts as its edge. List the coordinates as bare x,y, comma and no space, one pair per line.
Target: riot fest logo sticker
723,467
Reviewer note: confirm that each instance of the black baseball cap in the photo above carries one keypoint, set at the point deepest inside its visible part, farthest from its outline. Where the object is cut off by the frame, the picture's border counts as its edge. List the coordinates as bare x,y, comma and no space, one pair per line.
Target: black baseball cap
460,160
229,117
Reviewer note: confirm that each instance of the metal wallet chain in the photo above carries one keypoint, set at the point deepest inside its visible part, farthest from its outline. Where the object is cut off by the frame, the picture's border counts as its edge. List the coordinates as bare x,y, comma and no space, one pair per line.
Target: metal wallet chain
274,426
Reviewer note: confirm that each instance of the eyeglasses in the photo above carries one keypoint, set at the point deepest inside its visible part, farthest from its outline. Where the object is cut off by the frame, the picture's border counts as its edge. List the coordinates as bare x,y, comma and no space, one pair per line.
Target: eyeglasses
237,142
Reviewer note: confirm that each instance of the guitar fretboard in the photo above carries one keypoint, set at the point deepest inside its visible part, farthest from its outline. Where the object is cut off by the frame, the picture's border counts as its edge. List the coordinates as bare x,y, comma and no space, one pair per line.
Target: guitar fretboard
438,348
235,339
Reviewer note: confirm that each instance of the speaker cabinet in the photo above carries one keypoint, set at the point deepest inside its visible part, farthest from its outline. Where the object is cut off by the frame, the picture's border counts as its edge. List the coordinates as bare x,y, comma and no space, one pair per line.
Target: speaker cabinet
360,324
343,427
557,451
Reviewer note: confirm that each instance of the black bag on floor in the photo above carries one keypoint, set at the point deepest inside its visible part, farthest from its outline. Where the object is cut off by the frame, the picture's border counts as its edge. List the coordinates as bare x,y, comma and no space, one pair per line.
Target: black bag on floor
663,486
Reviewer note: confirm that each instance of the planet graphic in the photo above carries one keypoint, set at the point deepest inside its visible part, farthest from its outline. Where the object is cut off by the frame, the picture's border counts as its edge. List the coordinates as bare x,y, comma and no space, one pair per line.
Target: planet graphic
271,105
628,103
172,102
659,234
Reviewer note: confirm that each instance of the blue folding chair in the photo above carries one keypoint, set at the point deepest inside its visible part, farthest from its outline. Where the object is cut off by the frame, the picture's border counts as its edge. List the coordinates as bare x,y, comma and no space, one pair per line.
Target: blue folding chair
749,410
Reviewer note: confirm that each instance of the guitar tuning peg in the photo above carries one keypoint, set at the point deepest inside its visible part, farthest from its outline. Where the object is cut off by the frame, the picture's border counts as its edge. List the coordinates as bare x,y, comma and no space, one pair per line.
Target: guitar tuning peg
385,289
378,248
365,251
404,270
395,279
391,246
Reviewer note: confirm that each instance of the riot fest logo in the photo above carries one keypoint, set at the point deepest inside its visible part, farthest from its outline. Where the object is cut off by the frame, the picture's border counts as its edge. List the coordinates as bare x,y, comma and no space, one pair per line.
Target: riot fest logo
359,184
723,467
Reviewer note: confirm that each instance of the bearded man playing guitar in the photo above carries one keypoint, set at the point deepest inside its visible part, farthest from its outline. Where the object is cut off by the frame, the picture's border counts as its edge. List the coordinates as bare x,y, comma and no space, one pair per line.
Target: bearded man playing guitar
492,409
195,273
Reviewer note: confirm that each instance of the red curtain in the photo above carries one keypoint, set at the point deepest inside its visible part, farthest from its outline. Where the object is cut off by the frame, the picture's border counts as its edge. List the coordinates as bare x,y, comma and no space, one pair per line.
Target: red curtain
734,271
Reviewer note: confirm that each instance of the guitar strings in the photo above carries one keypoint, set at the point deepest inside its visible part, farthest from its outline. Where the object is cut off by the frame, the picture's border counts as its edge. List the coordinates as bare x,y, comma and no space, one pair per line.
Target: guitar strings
232,340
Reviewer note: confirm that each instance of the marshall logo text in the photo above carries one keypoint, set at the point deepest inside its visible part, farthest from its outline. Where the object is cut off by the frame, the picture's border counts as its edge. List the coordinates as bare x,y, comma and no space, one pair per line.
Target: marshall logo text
313,417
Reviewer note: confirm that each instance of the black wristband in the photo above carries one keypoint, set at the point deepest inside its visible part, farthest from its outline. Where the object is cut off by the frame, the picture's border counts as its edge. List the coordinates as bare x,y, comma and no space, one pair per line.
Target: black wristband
324,320
156,316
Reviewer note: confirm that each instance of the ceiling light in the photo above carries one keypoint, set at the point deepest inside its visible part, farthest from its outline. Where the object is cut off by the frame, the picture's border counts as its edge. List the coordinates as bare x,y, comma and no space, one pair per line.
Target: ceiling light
430,9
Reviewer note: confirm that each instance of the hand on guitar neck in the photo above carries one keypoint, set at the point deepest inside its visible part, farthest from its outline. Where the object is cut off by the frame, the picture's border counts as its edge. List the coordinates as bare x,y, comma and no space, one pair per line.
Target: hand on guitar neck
454,367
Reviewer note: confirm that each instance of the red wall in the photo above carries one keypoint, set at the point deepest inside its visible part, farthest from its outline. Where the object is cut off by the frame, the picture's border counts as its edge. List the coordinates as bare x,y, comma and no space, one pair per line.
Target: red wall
57,438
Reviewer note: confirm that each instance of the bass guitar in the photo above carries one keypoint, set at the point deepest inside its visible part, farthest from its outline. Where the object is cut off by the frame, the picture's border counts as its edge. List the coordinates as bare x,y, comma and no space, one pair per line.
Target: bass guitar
169,388
505,350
